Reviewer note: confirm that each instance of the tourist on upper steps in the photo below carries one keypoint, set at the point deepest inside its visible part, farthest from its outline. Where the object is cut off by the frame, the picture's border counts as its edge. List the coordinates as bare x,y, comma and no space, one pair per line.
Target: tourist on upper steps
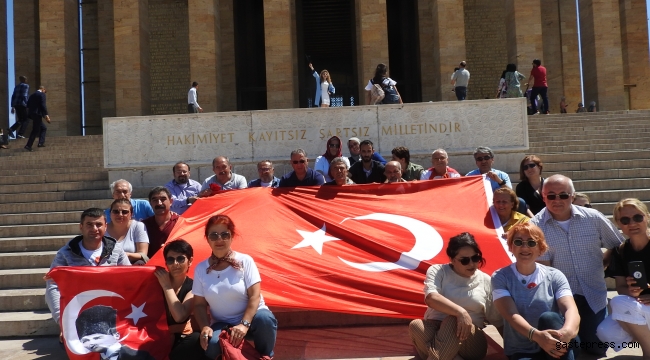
539,86
324,87
460,81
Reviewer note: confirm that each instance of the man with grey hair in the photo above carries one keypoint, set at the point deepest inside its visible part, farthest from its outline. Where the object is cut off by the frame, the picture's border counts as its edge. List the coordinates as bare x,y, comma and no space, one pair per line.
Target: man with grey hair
439,167
393,172
301,175
223,178
339,171
122,189
484,158
575,236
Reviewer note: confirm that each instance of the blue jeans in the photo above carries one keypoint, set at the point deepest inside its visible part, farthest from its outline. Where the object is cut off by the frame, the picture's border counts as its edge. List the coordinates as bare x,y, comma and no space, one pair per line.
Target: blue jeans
263,330
461,92
589,322
549,320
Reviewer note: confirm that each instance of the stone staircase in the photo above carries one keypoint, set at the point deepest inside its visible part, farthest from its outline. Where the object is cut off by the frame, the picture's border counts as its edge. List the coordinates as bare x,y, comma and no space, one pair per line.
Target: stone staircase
43,193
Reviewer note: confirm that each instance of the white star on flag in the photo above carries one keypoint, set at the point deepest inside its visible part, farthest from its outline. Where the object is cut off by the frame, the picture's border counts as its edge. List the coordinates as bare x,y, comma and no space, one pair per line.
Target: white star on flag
314,239
136,313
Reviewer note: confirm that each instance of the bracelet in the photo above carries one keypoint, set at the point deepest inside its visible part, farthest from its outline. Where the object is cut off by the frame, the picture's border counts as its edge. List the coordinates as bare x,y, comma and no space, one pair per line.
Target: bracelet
530,333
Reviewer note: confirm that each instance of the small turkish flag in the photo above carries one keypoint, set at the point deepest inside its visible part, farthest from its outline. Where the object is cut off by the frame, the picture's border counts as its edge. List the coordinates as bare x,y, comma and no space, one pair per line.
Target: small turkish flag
361,249
112,311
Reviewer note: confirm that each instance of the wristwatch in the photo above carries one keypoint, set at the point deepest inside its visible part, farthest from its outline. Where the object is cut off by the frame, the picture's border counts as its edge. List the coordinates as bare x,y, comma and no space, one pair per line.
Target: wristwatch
246,323
503,182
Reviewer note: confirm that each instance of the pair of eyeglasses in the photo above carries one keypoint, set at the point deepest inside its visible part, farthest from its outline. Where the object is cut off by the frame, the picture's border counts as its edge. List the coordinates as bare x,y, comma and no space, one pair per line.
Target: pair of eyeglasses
482,158
625,220
215,236
170,260
475,259
587,206
118,212
528,166
528,243
562,196
301,161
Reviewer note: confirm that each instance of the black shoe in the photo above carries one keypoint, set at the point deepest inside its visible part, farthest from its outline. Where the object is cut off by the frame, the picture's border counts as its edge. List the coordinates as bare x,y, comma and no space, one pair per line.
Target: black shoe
41,145
11,135
20,137
28,148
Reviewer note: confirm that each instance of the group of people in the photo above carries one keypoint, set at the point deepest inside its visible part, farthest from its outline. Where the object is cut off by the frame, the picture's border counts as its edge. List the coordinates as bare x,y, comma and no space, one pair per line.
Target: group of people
554,293
510,85
27,107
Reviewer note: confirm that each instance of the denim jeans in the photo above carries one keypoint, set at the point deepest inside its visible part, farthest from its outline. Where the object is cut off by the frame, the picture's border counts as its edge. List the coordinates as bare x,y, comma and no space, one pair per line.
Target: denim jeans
263,330
549,320
461,92
589,322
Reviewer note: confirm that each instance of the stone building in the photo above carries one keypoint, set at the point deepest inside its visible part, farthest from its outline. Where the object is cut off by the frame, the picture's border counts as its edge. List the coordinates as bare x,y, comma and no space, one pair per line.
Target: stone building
140,56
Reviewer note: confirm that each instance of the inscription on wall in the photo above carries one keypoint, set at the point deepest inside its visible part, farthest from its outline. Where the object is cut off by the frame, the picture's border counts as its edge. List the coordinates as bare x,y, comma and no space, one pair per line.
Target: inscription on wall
169,56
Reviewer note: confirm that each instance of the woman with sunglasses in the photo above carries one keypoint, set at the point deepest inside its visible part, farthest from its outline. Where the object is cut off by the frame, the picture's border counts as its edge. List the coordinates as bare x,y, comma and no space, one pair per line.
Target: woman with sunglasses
458,296
630,317
177,287
532,182
229,283
332,151
131,234
535,301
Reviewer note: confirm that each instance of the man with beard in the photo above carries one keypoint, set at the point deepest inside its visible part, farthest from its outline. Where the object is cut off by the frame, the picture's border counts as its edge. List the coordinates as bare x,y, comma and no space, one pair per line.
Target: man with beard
355,152
393,172
367,170
162,223
122,189
223,178
267,179
184,190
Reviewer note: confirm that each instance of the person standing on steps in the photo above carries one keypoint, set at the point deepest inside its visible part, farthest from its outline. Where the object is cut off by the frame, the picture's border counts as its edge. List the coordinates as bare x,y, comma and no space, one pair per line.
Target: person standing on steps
19,107
460,80
192,103
540,86
37,111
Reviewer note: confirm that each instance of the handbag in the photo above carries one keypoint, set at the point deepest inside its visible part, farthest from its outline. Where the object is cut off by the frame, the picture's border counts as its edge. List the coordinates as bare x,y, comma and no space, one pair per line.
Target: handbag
244,351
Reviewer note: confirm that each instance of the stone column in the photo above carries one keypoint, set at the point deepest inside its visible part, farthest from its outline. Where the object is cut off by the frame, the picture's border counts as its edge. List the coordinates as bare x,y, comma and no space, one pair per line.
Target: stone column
26,47
634,36
280,52
561,58
524,29
59,64
227,84
204,50
4,106
450,49
602,59
131,47
372,41
107,70
425,21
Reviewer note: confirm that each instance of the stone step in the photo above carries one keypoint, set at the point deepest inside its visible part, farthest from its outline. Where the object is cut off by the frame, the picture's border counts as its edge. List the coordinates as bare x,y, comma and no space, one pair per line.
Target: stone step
72,169
623,123
23,278
569,148
602,174
57,162
23,299
596,165
607,184
614,196
26,260
27,324
583,135
56,196
34,230
635,140
593,156
40,218
54,187
54,178
34,243
53,206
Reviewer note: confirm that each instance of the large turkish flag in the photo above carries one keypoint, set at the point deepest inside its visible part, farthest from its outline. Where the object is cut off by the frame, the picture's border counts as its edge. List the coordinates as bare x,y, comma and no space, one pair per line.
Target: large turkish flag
121,306
361,249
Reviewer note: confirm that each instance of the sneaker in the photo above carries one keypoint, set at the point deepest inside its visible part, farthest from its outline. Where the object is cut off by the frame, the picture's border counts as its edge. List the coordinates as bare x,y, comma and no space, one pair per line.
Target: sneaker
536,113
20,137
41,145
28,148
11,135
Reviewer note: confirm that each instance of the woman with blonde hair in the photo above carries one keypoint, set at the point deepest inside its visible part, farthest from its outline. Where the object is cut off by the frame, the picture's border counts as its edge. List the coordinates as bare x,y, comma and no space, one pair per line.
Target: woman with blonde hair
324,87
630,317
535,300
506,203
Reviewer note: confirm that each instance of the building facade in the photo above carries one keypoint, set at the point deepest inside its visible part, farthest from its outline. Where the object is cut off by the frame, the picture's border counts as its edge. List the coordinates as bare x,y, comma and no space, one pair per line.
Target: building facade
140,56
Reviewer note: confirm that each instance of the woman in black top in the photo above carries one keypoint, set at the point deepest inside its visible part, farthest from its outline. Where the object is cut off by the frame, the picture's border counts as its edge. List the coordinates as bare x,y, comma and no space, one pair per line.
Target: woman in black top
532,182
177,287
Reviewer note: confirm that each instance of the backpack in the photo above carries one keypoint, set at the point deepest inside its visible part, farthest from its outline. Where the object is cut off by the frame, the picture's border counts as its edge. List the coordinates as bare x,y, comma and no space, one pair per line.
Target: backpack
376,93
391,96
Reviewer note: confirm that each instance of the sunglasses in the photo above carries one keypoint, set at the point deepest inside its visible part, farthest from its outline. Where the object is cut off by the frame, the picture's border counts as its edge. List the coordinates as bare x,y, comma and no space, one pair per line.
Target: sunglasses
170,260
562,196
335,145
118,212
214,236
482,158
520,242
475,259
625,220
587,206
301,161
528,166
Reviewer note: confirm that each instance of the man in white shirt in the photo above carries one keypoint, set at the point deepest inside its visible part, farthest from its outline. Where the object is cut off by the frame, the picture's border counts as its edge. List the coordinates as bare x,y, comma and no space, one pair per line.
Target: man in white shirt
192,104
